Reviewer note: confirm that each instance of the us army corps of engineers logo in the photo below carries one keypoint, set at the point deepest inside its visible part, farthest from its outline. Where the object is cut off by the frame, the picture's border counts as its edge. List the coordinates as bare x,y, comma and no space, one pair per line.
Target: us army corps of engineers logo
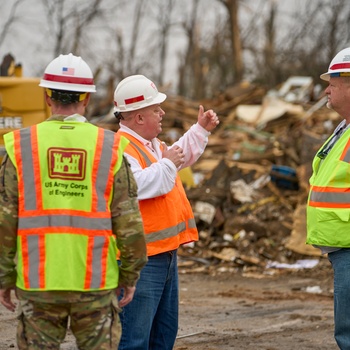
67,163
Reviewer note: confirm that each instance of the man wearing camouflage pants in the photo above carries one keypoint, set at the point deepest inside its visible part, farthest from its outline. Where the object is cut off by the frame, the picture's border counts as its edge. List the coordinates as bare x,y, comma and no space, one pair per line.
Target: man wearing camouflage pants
68,208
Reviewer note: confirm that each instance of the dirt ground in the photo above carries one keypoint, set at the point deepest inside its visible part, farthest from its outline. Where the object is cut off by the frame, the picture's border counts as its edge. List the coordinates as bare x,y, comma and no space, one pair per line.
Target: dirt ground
266,310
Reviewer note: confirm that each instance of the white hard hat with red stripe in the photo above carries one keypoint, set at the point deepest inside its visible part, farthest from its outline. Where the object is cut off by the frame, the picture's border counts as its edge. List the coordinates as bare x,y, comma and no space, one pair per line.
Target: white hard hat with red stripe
339,66
70,73
136,92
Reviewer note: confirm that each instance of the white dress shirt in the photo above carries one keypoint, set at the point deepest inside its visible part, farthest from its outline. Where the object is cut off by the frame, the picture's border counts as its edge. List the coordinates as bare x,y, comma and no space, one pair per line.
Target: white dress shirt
159,178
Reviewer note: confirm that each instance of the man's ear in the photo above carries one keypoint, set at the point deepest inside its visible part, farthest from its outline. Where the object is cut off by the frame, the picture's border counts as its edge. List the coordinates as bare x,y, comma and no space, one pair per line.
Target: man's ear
139,118
87,99
48,99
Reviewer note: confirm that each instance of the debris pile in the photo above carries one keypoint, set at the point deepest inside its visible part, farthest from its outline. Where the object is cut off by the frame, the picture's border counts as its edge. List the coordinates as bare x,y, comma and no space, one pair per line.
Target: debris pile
249,188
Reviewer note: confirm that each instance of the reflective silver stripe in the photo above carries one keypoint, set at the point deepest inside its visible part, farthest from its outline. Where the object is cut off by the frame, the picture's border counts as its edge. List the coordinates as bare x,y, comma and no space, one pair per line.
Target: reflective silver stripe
330,197
347,156
96,265
65,221
192,223
166,233
97,256
103,169
28,170
144,154
33,250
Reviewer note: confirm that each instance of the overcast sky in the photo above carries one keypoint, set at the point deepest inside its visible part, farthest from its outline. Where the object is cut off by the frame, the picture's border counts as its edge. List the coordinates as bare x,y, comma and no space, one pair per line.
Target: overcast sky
26,40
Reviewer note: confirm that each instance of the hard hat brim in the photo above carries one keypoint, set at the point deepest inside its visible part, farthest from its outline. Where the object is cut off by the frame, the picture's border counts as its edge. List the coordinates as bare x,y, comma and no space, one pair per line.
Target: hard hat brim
330,73
159,99
325,76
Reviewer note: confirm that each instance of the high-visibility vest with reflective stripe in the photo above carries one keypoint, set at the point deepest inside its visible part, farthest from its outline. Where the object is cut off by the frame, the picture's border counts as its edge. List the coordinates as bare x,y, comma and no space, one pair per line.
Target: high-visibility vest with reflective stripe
65,185
168,219
328,209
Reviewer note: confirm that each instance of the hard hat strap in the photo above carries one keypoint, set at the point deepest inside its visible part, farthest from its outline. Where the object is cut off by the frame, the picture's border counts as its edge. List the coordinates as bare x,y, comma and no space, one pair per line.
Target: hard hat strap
66,97
340,74
119,116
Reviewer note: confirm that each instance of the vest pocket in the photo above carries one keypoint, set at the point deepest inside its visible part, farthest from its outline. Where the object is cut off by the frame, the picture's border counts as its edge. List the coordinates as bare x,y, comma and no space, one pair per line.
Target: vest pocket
342,215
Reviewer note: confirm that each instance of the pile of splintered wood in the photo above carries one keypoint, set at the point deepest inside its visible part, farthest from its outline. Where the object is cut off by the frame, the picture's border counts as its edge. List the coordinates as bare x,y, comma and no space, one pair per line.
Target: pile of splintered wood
249,188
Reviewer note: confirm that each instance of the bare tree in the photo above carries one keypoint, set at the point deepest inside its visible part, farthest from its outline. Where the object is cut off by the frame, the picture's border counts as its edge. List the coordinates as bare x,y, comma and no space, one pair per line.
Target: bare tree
212,63
138,16
269,49
56,21
126,43
82,19
66,22
336,15
232,7
163,19
317,31
125,37
10,21
188,61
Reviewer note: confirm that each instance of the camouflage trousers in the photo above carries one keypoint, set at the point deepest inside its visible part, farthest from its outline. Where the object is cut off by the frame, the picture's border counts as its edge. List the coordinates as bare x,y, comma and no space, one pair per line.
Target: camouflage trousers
94,324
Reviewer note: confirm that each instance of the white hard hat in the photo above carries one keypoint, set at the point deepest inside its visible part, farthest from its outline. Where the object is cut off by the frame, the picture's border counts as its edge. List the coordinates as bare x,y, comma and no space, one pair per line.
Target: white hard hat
339,66
136,92
70,73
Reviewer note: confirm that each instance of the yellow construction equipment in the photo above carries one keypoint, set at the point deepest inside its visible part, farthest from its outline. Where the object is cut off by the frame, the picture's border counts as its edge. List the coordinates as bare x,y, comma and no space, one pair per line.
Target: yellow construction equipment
21,99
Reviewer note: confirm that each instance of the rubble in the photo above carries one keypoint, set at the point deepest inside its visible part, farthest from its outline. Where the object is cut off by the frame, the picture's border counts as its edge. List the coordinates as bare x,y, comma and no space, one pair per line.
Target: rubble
249,188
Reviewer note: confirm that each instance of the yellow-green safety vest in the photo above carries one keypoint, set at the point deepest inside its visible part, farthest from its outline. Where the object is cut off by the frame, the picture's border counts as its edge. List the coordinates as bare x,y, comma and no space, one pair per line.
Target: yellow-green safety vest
65,185
328,208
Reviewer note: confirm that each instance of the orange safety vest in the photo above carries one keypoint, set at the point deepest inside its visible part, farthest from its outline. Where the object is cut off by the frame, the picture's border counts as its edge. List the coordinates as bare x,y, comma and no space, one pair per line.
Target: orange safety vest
168,219
65,186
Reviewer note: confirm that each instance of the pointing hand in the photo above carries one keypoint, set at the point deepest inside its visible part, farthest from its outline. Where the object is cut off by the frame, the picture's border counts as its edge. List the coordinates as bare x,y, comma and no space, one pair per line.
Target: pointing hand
208,119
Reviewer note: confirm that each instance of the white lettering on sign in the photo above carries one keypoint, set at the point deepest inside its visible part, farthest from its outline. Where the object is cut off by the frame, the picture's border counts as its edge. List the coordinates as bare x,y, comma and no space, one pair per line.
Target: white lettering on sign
10,122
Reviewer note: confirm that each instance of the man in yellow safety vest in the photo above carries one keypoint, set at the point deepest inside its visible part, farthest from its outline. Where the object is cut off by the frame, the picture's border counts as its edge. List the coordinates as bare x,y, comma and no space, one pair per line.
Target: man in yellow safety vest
328,209
68,207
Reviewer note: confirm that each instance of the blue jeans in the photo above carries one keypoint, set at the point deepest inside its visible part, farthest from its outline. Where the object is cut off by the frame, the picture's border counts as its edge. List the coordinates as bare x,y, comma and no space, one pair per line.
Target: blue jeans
340,261
150,321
